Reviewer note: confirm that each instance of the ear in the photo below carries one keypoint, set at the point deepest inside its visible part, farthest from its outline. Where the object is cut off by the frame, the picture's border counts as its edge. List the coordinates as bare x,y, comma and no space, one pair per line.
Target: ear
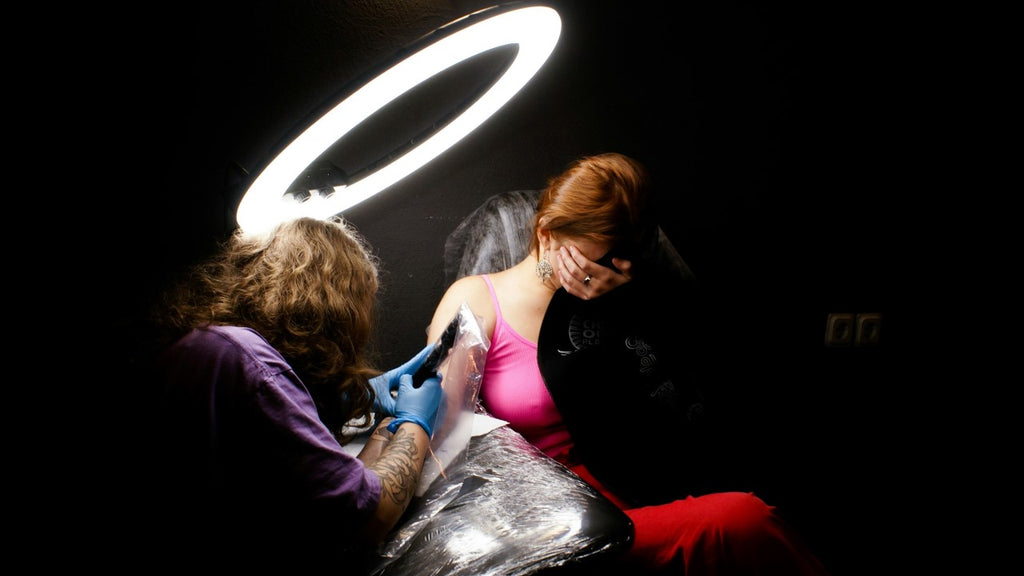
543,239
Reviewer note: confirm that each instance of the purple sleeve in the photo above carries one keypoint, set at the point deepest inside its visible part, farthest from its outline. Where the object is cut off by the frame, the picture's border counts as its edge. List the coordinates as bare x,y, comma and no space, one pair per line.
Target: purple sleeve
323,468
260,438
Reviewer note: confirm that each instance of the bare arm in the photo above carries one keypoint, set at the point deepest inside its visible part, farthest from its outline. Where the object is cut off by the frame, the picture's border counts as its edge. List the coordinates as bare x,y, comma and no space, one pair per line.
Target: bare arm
472,291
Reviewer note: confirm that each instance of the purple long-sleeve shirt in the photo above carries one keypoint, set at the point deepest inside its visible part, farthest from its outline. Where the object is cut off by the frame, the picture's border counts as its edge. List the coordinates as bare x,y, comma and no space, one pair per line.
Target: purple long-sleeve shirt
247,450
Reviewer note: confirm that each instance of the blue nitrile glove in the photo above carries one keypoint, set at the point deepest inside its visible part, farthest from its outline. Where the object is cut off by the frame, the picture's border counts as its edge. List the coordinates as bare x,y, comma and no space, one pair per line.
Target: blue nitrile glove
418,405
386,383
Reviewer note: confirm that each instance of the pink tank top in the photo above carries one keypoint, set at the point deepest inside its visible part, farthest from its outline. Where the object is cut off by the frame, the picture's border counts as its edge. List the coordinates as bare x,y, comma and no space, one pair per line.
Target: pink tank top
513,389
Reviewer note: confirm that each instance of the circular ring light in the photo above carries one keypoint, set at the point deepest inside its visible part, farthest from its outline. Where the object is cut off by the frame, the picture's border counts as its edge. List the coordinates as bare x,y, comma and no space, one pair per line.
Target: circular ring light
535,29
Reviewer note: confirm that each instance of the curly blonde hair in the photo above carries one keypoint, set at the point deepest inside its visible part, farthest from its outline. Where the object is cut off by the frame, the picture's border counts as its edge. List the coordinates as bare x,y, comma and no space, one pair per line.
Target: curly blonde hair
310,288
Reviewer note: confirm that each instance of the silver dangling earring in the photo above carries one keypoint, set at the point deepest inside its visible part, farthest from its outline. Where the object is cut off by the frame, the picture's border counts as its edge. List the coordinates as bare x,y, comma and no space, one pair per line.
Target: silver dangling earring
544,269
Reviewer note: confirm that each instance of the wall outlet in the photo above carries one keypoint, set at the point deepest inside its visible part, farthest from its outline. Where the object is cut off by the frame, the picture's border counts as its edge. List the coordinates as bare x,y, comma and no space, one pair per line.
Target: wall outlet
839,329
868,329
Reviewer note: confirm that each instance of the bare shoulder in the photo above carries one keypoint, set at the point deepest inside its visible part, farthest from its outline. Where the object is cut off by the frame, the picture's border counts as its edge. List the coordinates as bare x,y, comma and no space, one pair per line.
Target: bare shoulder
469,289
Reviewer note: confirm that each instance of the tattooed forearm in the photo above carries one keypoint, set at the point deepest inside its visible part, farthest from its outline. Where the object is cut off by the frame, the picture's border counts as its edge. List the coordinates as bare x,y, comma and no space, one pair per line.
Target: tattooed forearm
399,467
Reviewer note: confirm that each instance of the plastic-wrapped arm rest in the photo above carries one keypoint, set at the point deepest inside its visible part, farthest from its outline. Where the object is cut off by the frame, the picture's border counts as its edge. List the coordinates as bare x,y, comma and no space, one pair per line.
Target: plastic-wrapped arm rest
504,509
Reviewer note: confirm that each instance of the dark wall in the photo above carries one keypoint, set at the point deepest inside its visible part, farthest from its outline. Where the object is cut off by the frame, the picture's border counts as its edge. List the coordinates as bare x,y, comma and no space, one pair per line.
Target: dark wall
765,127
761,125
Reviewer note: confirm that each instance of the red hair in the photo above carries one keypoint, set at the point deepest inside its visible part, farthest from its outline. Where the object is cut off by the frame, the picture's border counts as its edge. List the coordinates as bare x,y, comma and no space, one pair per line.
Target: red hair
602,198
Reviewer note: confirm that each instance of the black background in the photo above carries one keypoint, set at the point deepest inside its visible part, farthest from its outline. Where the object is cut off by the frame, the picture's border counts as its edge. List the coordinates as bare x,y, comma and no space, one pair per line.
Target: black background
783,140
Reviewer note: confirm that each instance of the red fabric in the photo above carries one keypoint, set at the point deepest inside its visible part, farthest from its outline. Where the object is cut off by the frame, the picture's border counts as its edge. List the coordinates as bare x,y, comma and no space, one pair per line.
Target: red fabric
725,533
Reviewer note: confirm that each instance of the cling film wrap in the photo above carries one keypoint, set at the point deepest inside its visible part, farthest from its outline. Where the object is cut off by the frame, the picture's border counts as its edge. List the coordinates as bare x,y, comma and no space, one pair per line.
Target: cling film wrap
463,371
505,509
494,503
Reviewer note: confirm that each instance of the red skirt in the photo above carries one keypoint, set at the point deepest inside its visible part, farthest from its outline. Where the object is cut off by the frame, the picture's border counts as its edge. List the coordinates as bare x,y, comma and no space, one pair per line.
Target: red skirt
724,533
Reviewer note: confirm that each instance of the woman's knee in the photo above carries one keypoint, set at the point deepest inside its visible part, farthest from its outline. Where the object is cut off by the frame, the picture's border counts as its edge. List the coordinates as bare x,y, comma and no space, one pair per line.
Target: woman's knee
738,513
723,517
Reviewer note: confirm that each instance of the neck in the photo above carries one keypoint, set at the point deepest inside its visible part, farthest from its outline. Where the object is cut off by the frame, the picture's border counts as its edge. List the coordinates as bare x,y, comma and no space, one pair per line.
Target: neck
526,270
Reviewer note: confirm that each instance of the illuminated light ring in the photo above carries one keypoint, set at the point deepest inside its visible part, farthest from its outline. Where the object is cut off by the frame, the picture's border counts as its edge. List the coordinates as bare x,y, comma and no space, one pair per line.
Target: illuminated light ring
535,29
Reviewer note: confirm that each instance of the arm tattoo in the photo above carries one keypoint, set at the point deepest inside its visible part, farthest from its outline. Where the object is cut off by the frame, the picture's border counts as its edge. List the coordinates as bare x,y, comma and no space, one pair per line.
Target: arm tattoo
398,468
